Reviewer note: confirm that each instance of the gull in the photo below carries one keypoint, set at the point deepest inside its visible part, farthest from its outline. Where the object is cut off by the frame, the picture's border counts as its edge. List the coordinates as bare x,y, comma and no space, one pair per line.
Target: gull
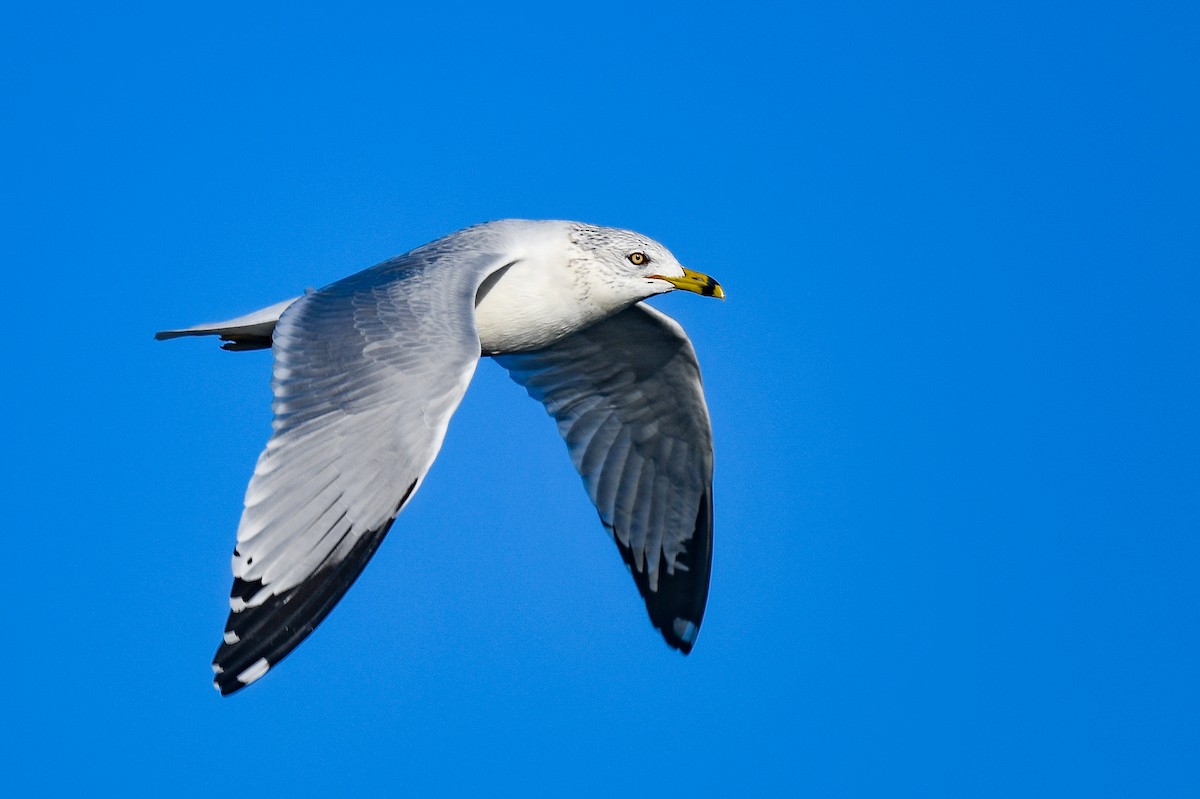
368,370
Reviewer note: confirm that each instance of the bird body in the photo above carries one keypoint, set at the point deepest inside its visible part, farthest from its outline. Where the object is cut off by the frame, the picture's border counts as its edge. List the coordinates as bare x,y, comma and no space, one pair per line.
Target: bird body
539,298
369,369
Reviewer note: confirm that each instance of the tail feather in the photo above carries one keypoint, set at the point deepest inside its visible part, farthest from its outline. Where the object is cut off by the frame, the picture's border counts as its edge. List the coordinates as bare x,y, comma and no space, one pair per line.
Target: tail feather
250,332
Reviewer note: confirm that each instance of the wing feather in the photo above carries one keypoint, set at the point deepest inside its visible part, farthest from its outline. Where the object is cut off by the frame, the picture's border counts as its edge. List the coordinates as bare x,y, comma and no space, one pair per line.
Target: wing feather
627,398
367,373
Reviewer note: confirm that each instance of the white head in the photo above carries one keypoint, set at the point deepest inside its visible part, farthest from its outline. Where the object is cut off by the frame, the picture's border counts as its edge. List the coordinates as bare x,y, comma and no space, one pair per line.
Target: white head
635,267
531,303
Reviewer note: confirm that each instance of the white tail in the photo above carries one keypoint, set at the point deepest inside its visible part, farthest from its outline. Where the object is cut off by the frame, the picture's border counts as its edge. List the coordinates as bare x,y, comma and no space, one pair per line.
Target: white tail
250,332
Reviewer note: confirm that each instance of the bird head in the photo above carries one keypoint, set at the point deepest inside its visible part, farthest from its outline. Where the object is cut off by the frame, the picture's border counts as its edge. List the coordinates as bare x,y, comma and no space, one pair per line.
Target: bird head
635,267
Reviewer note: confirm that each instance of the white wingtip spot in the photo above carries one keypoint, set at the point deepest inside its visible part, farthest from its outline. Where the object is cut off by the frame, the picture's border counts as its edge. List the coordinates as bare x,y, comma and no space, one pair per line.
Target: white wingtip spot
685,629
217,669
254,672
231,637
237,604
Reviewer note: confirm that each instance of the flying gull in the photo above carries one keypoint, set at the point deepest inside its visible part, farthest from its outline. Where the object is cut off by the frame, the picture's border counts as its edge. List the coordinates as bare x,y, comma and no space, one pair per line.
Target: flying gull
368,370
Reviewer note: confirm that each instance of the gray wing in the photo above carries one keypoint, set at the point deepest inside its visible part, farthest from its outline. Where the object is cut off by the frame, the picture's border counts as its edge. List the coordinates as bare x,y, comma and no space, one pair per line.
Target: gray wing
627,398
367,374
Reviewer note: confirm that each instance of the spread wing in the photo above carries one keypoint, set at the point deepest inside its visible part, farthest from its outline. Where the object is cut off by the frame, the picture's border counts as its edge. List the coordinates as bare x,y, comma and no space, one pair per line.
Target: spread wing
627,398
367,374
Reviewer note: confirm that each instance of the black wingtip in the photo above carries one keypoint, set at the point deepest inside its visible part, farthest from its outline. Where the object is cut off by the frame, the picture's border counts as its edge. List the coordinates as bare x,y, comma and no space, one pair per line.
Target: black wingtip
258,637
676,606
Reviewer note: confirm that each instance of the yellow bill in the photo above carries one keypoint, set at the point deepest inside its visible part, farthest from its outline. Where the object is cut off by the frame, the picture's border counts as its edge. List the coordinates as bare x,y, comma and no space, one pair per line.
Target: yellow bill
695,281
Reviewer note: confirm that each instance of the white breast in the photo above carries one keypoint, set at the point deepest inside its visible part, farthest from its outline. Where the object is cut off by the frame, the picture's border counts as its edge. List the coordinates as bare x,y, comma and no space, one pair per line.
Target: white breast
538,300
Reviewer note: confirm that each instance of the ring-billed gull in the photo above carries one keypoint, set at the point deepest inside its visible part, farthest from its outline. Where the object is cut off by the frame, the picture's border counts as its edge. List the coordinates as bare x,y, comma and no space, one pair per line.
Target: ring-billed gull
368,370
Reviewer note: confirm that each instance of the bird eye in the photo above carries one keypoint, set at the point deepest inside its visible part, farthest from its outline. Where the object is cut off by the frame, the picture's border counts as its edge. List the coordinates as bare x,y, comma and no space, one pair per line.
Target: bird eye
638,258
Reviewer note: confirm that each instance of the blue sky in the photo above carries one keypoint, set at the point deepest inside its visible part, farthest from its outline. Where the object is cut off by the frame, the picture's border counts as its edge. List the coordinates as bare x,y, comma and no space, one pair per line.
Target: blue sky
954,394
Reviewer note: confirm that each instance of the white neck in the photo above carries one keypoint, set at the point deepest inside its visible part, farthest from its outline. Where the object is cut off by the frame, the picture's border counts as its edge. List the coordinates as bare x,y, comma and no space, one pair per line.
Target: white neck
545,295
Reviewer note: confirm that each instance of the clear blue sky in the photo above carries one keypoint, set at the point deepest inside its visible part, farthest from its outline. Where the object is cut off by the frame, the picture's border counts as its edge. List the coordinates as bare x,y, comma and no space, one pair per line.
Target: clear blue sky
954,391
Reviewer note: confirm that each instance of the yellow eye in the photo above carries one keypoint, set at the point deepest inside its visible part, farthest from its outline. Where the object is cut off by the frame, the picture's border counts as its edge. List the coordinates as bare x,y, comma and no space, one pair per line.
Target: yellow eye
637,258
